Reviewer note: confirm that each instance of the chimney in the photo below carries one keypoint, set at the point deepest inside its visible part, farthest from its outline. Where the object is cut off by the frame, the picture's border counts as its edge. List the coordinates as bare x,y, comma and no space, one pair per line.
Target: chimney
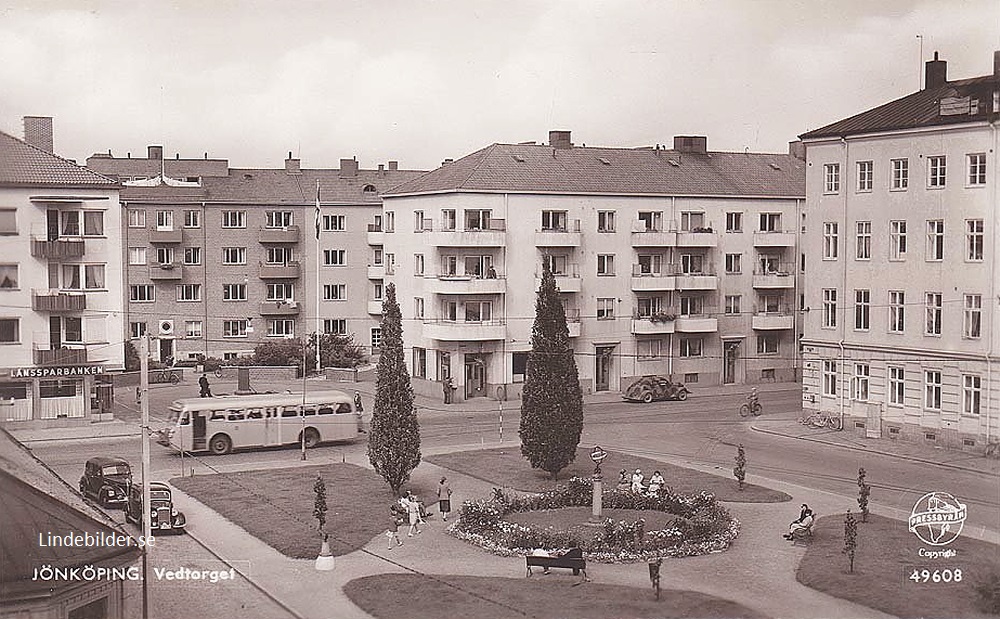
393,166
935,73
446,162
797,149
154,152
292,165
348,167
560,139
381,169
697,144
38,132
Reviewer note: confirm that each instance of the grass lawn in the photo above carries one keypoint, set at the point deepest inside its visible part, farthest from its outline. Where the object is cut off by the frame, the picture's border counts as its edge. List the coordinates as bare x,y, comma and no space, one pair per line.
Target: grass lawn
885,557
506,467
391,596
276,505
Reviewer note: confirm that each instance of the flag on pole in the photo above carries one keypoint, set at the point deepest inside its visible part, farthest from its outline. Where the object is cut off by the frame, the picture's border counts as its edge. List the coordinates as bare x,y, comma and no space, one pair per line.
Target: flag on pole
317,210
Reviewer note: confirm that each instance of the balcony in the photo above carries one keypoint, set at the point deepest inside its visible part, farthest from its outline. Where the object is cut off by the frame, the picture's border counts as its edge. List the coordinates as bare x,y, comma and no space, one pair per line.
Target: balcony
652,238
657,324
769,321
61,356
698,237
561,237
573,322
166,237
275,236
697,281
569,281
774,279
376,271
53,301
494,236
464,284
645,279
59,248
450,331
376,236
279,308
375,308
290,270
696,324
774,239
166,272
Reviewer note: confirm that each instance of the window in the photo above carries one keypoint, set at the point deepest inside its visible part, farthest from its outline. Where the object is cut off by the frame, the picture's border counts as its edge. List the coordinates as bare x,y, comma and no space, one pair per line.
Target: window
8,276
234,255
8,221
691,305
829,377
278,255
334,223
935,239
277,219
866,173
559,264
165,255
972,393
734,222
977,169
770,222
830,240
58,389
478,311
419,362
234,292
831,174
936,171
449,311
692,346
418,221
10,330
378,257
770,303
477,219
478,266
73,329
234,219
418,264
390,221
335,326
334,292
335,257
767,344
378,291
418,308
605,264
605,221
234,328
862,374
141,293
862,309
897,240
280,292
192,219
692,222
897,311
448,219
896,385
733,263
932,389
192,328
280,327
137,255
449,265
189,292
973,323
136,329
933,322
864,240
554,221
70,223
605,309
647,349
651,221
974,240
732,304
164,220
136,218
93,223
192,255
829,308
900,174
647,307
692,264
769,263
376,338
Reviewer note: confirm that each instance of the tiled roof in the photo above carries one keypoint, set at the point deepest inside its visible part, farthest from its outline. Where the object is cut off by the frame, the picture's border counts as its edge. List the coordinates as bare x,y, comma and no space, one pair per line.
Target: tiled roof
646,171
22,164
919,109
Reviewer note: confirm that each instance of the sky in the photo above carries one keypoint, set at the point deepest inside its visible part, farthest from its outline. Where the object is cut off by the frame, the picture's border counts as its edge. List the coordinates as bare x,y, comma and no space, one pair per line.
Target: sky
419,81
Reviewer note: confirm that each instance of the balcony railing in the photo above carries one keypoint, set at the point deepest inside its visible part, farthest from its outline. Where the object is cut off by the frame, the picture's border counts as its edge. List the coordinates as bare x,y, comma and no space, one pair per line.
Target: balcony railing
77,355
567,280
573,322
653,324
565,236
702,322
279,308
287,234
781,275
376,235
465,284
166,272
774,238
289,270
698,237
768,318
166,237
457,331
54,301
58,248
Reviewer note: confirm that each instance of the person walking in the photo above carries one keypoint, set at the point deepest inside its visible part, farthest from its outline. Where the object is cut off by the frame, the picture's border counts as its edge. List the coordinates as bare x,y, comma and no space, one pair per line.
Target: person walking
413,512
206,389
395,519
444,498
448,386
358,404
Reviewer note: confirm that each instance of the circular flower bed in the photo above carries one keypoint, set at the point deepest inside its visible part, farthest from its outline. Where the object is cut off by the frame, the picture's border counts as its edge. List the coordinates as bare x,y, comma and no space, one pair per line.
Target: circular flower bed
702,525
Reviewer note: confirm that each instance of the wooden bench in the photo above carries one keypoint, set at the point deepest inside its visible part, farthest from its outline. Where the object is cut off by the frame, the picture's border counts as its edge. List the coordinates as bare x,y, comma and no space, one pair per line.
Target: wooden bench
571,560
803,535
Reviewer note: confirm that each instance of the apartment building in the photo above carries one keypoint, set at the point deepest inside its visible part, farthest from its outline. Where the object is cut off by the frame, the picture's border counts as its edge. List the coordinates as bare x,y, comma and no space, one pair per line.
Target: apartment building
675,261
221,259
60,281
900,245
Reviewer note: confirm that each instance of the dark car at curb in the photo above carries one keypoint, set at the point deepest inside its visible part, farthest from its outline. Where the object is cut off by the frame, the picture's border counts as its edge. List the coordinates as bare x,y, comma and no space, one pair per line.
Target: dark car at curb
164,517
650,388
106,480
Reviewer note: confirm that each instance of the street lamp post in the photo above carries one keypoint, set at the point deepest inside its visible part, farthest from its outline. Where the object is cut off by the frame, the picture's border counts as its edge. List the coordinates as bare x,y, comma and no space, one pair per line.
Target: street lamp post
597,455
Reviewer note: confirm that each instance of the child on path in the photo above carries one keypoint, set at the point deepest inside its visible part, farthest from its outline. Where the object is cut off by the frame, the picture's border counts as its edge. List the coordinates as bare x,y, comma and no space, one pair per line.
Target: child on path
444,498
395,519
413,511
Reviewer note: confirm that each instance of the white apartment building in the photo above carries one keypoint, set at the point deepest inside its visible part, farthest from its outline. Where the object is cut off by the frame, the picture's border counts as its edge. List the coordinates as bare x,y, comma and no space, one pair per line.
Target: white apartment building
679,262
901,261
61,308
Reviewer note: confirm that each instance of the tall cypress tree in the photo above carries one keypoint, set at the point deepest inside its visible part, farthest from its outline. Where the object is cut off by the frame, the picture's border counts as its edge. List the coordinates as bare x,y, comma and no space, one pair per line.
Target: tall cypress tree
552,402
394,438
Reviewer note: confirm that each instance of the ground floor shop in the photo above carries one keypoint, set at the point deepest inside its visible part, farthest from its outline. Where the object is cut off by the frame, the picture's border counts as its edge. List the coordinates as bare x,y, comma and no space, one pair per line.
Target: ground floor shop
53,395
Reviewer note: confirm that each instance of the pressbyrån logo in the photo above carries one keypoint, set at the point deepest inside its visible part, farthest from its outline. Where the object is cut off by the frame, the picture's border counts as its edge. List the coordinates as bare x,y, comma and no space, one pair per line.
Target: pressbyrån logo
937,518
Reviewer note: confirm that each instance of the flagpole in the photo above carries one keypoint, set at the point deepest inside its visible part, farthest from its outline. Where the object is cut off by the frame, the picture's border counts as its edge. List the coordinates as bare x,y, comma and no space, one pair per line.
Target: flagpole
317,292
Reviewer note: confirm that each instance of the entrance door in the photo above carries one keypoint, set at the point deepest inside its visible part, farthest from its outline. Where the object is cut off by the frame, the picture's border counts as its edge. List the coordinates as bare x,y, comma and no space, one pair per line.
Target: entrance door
166,349
198,437
603,360
729,367
873,425
475,376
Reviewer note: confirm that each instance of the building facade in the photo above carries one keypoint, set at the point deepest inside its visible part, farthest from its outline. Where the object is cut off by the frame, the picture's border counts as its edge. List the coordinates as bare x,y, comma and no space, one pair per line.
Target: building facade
61,311
679,262
901,260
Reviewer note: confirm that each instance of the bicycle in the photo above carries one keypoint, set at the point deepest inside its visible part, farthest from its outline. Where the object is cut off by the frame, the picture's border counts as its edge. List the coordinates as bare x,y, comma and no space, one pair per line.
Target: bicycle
166,376
218,372
821,420
751,408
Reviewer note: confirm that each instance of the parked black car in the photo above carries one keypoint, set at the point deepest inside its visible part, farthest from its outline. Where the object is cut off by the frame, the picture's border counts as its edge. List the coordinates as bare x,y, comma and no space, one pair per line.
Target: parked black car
649,388
106,480
164,516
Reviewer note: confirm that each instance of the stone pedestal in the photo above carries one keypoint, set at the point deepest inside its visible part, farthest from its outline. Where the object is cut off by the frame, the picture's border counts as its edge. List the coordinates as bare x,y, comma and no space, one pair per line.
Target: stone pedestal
596,514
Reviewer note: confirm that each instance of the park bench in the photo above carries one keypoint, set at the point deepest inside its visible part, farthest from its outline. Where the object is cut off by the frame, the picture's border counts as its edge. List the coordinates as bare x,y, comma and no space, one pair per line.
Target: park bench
572,559
803,535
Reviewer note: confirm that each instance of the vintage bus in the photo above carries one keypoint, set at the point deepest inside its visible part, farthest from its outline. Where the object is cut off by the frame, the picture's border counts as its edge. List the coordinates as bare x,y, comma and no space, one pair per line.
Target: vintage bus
221,424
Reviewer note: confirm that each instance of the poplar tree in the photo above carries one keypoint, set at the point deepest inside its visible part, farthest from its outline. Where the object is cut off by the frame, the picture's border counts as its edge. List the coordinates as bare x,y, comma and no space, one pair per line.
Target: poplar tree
319,505
394,436
552,402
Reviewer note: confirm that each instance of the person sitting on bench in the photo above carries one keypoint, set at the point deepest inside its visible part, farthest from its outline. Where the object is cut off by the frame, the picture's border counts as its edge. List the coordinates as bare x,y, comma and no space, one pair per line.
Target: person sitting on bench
800,525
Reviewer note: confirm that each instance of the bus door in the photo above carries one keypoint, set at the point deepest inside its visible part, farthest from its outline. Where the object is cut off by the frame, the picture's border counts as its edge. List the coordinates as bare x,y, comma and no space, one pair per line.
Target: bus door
272,426
198,430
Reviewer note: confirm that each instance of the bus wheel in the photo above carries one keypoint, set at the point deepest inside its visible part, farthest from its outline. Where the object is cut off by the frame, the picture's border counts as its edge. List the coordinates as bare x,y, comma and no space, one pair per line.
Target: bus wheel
312,438
221,444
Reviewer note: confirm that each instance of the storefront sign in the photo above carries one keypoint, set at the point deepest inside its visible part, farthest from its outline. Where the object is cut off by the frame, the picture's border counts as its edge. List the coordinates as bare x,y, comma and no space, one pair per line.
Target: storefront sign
75,370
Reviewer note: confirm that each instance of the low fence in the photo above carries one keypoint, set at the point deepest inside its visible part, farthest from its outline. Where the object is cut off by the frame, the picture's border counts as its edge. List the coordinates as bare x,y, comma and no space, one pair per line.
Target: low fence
363,374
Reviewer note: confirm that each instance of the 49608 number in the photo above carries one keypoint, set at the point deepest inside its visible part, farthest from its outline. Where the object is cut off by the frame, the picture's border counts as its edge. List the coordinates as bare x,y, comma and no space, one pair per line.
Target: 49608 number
946,575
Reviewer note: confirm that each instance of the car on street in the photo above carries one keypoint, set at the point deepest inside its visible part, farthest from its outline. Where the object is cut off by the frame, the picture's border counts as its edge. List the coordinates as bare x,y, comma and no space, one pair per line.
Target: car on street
650,388
164,516
106,480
